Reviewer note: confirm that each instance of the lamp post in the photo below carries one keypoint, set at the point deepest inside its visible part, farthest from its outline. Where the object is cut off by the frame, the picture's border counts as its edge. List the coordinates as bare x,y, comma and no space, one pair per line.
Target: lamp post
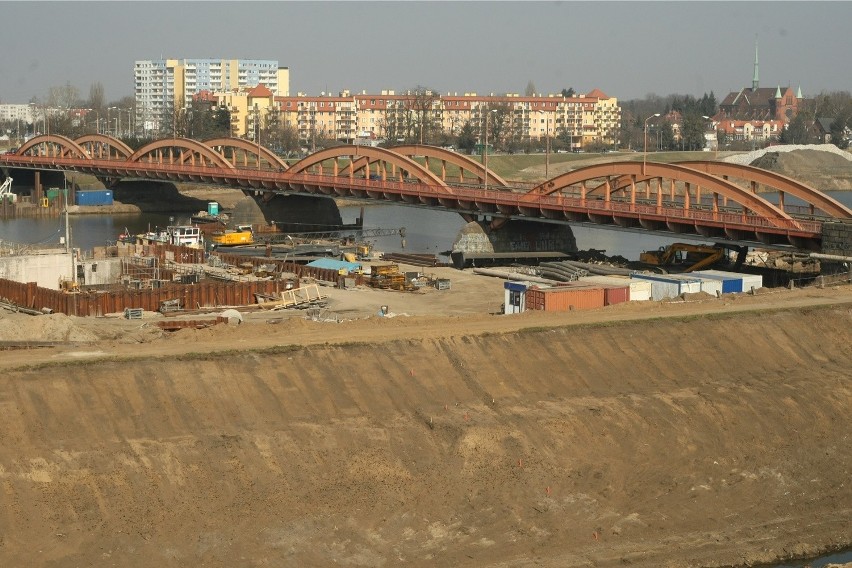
547,147
485,161
257,132
645,148
715,135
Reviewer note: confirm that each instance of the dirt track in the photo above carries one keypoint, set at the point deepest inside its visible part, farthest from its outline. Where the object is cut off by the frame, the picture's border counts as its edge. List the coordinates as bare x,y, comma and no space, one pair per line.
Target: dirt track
666,434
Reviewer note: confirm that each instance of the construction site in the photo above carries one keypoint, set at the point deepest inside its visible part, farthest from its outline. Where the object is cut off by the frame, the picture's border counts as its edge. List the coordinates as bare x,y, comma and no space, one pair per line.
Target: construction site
167,406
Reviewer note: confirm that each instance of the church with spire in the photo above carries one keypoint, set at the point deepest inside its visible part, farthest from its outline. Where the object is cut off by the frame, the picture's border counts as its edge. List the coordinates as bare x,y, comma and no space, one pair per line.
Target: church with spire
758,103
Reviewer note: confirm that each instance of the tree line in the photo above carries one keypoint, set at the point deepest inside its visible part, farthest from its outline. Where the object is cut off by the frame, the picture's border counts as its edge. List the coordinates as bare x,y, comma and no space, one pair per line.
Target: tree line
415,118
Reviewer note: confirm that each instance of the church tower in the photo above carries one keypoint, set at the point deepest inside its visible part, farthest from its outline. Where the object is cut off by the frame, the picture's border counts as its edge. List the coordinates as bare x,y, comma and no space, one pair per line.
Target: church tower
755,81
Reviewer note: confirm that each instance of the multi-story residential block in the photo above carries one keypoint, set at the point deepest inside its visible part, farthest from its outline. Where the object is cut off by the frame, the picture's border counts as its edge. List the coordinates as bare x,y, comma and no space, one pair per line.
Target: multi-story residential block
584,119
13,113
163,85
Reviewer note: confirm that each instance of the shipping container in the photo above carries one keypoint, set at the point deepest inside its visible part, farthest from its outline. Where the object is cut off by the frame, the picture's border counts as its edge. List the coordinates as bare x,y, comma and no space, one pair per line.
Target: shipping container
565,298
663,286
616,291
748,280
731,282
706,284
752,281
53,192
640,290
93,197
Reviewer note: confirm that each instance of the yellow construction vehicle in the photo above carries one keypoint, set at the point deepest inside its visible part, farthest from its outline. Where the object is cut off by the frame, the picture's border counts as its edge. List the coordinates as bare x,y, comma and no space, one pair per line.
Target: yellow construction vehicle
684,255
242,235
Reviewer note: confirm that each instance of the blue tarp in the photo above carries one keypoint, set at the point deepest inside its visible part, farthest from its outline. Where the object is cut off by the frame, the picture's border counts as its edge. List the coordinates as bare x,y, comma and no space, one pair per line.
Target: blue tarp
332,264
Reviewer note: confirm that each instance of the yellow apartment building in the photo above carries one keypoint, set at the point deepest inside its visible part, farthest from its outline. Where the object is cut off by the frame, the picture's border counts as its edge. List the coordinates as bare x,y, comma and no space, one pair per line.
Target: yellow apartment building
585,119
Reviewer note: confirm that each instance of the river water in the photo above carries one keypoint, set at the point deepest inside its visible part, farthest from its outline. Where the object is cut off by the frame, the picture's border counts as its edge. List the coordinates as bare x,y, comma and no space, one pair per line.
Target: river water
426,231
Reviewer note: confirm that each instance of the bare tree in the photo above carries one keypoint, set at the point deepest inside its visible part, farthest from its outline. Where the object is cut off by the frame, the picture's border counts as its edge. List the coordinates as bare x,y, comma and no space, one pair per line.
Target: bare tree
413,117
97,99
67,96
500,122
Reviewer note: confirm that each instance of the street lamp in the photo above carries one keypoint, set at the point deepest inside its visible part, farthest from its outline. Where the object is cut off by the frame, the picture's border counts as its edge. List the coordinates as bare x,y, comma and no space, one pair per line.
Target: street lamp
547,146
715,135
257,132
645,148
485,161
108,121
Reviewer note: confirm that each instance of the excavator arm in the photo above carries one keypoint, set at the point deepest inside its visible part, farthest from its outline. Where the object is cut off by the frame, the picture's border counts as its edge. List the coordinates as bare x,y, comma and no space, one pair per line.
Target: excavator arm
665,256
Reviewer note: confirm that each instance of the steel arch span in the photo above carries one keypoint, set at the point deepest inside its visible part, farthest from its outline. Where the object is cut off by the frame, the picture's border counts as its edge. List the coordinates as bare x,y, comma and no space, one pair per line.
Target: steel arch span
817,199
181,151
103,147
52,146
675,173
363,157
462,162
260,153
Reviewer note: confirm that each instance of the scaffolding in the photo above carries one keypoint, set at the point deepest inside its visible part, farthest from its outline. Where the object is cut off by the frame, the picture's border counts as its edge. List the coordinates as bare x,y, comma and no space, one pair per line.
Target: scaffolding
140,272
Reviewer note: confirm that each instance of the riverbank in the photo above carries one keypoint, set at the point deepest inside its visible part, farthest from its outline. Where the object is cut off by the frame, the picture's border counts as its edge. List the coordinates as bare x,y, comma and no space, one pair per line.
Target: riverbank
673,434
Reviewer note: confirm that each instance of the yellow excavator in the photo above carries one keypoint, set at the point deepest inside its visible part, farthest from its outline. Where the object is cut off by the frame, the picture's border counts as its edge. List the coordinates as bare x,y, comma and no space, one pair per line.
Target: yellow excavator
684,253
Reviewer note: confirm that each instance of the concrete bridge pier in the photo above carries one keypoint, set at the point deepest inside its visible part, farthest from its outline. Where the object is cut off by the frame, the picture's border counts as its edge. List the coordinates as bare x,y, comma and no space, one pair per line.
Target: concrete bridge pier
515,237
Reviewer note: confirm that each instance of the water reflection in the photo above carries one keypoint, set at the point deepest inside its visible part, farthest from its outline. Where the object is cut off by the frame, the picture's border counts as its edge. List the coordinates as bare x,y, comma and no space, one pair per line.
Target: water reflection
426,230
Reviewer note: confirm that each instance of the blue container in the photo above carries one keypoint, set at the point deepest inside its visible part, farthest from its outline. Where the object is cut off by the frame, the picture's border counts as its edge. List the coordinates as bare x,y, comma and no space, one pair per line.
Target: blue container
731,282
94,197
212,208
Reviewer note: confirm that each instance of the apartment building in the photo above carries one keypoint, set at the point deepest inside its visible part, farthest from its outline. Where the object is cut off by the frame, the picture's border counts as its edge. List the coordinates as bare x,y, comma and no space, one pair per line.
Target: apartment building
583,119
163,85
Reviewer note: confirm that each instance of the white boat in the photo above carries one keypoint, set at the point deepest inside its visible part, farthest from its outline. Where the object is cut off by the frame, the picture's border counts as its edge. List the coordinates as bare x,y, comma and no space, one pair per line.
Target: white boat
182,235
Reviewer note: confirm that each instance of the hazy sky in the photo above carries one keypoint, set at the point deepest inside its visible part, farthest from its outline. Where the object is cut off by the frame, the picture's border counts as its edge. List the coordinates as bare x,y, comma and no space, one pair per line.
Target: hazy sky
627,49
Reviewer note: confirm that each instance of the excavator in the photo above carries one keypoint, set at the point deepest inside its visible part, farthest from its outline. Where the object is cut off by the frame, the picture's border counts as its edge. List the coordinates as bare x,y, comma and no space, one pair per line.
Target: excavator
683,252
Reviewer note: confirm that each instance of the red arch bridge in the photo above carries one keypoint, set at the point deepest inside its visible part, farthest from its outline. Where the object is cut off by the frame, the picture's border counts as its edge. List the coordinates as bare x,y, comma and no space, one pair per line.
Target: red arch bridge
706,200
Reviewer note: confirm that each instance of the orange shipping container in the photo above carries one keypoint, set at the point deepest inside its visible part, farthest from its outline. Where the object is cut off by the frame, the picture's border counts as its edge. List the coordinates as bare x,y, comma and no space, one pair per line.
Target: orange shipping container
564,298
616,294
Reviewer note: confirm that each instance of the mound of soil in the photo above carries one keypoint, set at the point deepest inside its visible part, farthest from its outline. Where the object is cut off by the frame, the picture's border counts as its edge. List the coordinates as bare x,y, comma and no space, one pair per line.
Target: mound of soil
706,441
819,169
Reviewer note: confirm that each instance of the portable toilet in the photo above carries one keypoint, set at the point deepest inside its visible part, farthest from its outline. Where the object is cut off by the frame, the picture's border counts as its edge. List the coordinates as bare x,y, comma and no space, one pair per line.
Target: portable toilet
514,297
212,207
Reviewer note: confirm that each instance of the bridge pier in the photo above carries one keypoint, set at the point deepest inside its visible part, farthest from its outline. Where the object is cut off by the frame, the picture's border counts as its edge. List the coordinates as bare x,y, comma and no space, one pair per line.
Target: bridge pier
515,237
837,238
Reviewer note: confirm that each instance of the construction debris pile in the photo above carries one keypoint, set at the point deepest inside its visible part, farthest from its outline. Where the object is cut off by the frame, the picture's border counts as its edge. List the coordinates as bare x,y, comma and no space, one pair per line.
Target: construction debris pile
389,277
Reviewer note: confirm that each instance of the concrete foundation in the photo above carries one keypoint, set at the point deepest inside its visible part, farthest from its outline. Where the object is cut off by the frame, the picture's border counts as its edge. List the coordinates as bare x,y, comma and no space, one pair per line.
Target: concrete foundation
515,236
837,238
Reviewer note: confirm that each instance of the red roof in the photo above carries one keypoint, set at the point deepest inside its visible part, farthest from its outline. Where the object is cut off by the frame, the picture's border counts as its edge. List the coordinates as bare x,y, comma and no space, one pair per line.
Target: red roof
598,94
260,91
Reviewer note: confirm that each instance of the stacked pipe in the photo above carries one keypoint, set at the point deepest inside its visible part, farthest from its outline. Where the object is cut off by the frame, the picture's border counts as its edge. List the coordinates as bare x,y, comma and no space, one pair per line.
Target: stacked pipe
561,271
599,269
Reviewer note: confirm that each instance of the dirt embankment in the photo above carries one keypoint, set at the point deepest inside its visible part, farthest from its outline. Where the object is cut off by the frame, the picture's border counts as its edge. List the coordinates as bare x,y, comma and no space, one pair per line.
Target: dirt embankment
820,169
706,441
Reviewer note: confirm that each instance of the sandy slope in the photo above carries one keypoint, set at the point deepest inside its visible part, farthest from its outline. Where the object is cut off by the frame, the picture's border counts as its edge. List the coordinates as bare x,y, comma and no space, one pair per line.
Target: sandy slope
680,434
